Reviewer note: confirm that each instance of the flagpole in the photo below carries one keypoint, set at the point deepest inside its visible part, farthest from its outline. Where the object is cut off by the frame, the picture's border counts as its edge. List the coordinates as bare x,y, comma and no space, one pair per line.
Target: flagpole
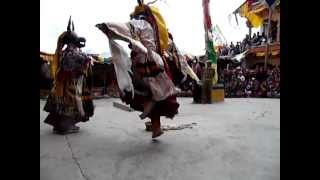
210,51
267,45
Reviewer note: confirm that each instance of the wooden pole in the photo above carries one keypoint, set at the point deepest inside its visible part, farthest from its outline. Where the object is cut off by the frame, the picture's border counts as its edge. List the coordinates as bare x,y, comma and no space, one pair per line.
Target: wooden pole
278,31
250,28
104,81
267,45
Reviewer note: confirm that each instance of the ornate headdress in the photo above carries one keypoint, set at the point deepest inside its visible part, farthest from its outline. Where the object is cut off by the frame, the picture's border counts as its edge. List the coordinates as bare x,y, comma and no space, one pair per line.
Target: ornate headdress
67,37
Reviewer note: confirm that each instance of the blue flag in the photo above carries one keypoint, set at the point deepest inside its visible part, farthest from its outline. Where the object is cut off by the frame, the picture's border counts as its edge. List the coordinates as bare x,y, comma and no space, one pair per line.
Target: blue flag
270,2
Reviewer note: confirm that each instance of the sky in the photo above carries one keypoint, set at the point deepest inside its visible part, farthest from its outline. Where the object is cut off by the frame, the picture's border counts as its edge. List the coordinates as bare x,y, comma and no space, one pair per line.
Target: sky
184,19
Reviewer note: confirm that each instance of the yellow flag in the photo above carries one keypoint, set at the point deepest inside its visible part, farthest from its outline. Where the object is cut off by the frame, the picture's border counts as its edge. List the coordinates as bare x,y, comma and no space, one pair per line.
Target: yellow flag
254,19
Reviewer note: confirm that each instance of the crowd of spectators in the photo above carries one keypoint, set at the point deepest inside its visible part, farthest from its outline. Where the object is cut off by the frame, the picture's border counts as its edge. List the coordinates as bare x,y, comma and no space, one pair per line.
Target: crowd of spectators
239,82
256,40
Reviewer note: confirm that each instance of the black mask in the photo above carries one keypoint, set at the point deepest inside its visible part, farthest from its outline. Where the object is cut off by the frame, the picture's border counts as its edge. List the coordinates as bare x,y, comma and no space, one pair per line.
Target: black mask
72,38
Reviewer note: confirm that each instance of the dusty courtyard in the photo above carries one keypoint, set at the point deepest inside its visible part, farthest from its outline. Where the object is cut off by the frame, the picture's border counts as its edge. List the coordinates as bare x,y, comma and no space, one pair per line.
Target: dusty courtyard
238,139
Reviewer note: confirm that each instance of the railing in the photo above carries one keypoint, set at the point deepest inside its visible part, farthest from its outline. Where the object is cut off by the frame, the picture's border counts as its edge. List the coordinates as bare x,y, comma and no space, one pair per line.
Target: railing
261,48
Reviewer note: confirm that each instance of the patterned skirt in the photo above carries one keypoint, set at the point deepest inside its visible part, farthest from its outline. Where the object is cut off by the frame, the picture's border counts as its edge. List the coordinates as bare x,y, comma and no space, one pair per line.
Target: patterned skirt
167,107
73,103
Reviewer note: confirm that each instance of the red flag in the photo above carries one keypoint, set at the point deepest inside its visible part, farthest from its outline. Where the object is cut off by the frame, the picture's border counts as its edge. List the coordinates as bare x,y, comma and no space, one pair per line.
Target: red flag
206,14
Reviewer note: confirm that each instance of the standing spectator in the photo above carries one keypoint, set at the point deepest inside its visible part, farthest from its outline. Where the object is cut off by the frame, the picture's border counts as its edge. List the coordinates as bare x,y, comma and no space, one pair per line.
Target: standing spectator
237,48
231,45
259,36
208,75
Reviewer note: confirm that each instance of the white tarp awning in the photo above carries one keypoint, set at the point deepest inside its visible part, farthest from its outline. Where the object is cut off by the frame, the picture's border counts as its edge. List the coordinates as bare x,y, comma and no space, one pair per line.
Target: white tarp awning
239,57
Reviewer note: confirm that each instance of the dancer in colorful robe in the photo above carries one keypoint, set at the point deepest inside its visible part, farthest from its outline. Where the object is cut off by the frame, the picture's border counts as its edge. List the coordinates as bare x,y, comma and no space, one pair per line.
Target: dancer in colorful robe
178,66
143,78
70,100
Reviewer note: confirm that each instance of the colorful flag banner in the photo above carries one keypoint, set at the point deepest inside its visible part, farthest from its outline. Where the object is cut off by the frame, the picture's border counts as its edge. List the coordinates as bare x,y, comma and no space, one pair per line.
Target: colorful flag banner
210,51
